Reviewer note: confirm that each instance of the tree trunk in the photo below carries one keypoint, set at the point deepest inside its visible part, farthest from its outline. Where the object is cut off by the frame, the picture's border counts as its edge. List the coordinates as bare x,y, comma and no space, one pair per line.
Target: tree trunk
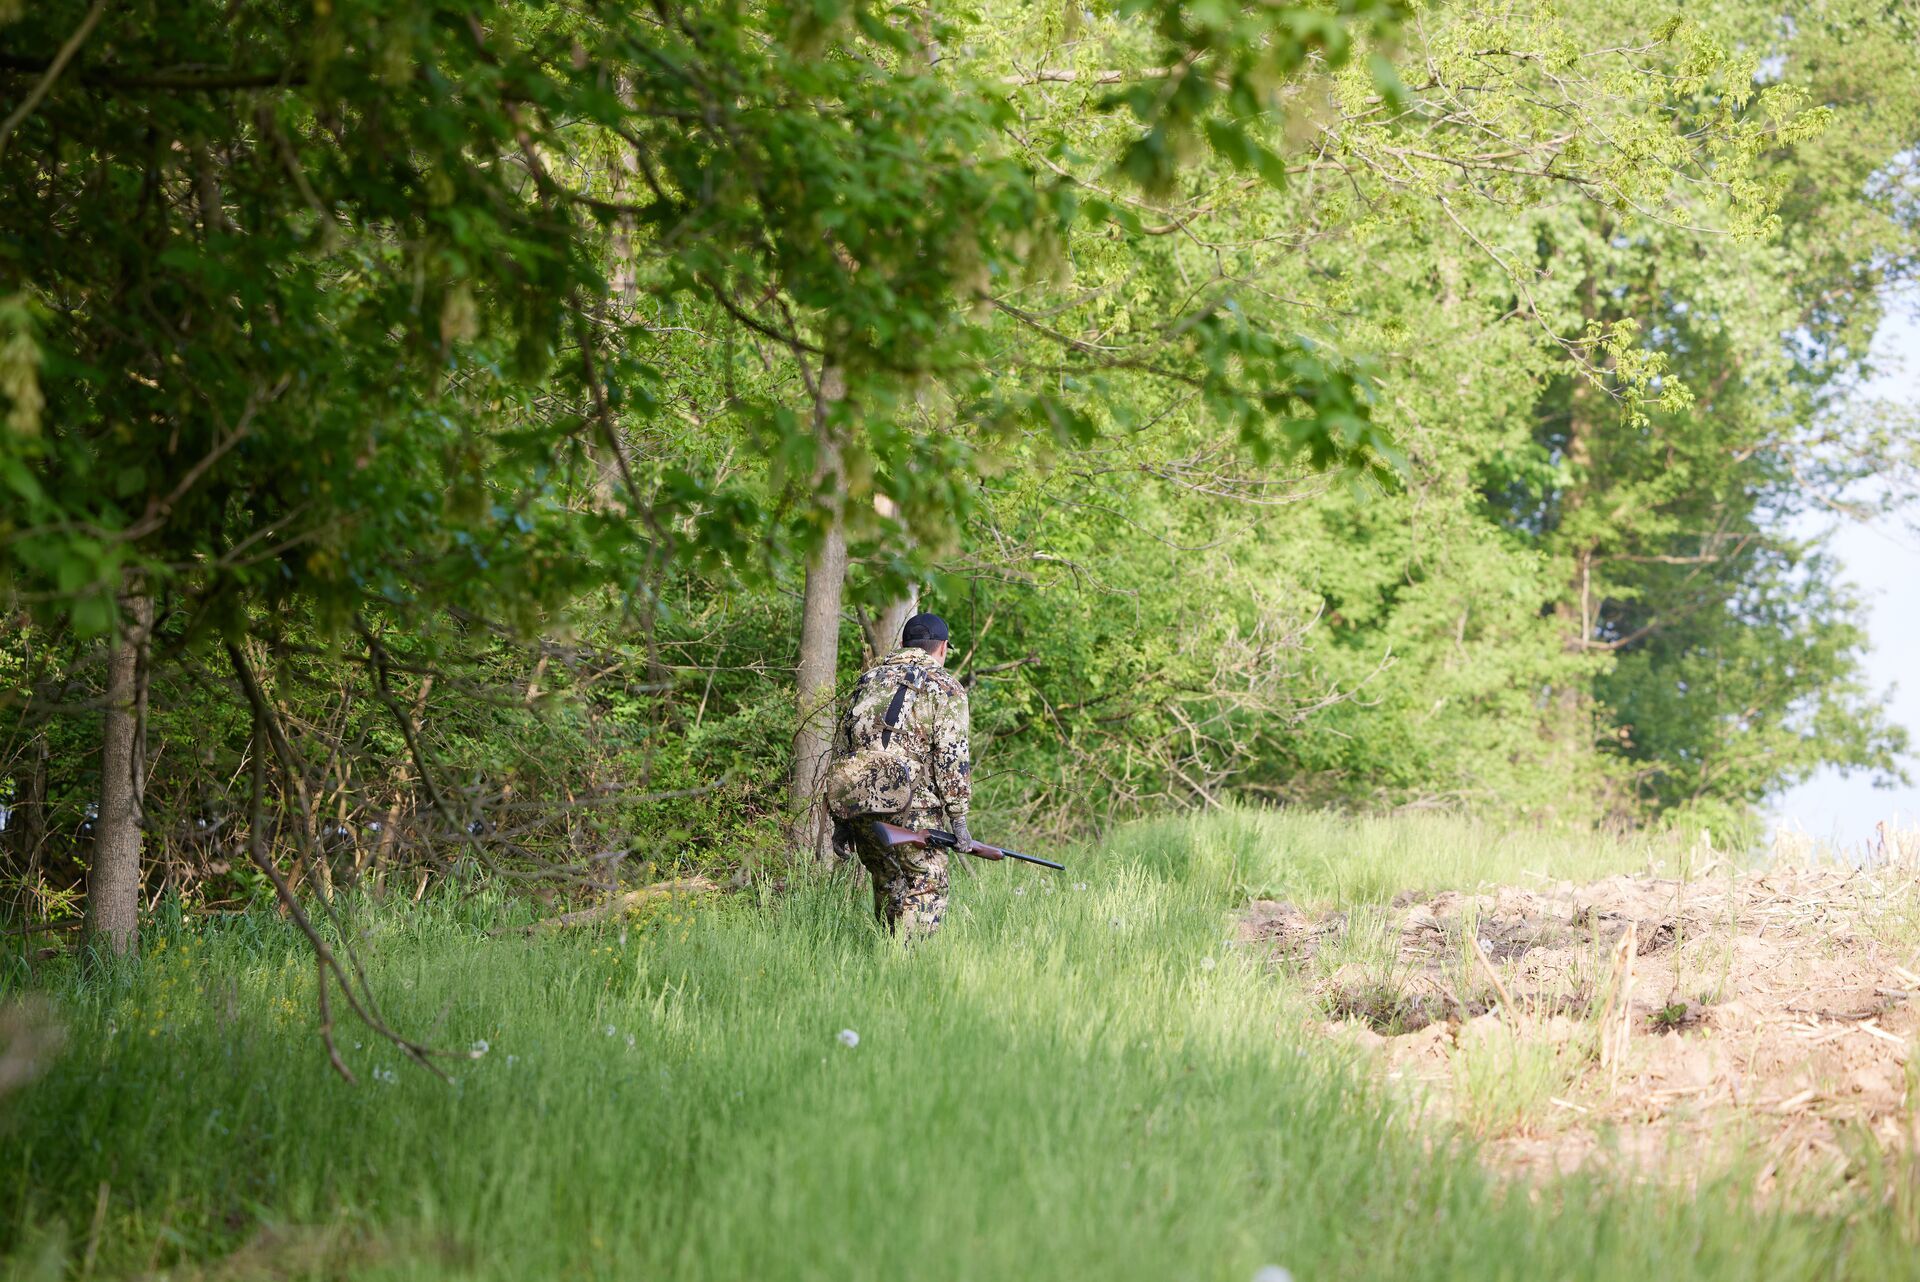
819,644
624,258
1571,726
113,873
1576,610
30,815
882,629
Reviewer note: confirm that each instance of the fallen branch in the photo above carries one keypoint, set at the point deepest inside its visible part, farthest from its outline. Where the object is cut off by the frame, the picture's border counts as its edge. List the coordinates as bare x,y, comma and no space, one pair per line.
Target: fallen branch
632,899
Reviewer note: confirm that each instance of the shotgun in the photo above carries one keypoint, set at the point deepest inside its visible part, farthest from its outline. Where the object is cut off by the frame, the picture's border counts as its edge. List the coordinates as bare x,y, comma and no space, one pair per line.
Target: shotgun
891,835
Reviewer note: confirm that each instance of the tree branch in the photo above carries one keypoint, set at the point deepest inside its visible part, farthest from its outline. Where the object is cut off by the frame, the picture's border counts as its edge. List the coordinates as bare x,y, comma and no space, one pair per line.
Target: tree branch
168,81
266,731
51,72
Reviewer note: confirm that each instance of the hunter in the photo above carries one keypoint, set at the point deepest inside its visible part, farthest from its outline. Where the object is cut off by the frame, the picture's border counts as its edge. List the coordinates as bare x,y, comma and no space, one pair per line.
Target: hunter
900,754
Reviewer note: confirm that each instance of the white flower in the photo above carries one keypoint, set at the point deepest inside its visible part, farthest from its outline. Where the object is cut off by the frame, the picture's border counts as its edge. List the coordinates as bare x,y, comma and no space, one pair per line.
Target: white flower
478,1049
1272,1273
1206,963
1079,885
849,1038
610,1030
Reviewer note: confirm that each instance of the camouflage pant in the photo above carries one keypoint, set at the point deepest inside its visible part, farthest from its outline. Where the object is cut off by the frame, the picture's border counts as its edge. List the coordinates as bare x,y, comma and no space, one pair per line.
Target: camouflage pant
909,882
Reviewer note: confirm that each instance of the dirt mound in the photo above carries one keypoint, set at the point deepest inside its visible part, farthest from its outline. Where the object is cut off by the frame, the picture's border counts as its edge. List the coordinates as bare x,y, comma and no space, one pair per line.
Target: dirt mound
1637,1022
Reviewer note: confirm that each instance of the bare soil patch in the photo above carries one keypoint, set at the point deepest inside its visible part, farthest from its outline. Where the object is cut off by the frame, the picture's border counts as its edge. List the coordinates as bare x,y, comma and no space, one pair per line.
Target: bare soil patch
1658,1027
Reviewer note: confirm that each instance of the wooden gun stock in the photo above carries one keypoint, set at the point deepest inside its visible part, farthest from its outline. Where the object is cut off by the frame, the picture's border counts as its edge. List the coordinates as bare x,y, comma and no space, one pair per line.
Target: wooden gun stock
891,835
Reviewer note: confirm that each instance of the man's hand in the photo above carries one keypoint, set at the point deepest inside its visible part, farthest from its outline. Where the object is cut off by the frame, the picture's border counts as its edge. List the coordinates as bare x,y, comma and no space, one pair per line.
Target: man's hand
960,832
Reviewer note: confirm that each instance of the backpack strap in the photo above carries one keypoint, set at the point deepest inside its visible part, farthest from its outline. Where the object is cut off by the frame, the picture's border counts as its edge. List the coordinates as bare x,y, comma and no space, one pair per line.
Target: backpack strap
892,720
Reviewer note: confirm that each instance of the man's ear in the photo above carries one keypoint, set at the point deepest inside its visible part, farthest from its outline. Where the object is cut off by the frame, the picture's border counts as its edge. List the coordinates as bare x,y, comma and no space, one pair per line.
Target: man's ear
941,653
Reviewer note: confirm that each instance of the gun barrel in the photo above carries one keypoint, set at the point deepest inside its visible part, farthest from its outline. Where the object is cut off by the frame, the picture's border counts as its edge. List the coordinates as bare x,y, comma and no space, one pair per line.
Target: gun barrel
893,835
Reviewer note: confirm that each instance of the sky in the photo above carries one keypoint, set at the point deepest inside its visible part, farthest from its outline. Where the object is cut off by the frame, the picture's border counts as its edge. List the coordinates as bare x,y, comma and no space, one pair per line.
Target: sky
1883,561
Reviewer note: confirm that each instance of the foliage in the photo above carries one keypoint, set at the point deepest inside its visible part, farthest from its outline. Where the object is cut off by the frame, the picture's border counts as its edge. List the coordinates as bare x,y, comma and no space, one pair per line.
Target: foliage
1332,404
321,313
1582,255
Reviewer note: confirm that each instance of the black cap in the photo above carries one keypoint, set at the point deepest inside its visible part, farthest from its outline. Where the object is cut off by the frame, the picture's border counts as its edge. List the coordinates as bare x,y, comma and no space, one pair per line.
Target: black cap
924,627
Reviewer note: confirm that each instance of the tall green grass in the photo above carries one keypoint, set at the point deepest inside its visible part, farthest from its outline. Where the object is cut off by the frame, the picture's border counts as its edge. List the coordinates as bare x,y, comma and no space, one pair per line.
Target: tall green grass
1343,859
1080,1078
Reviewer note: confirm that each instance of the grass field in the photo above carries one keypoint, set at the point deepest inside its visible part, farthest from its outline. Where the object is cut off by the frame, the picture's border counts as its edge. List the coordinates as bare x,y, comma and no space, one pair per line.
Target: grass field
1080,1078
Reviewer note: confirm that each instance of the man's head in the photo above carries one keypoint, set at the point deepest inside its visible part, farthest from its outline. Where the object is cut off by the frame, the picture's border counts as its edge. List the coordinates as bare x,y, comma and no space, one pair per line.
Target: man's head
928,632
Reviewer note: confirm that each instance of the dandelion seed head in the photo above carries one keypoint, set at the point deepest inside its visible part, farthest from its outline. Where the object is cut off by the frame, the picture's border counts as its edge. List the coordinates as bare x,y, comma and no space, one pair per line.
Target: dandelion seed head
849,1038
479,1048
611,1030
1206,963
1272,1273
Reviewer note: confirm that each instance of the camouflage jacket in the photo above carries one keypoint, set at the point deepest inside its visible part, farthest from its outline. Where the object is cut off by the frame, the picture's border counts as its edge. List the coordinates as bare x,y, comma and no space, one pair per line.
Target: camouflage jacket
930,728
